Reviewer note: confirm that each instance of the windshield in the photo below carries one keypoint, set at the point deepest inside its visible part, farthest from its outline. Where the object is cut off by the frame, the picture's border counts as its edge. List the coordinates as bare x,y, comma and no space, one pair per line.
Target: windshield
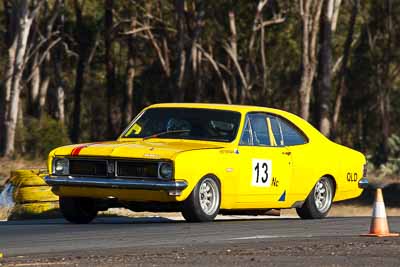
186,123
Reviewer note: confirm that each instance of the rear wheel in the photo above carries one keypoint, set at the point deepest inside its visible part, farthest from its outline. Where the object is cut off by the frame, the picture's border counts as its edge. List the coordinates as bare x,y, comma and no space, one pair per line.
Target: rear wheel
319,201
203,203
78,210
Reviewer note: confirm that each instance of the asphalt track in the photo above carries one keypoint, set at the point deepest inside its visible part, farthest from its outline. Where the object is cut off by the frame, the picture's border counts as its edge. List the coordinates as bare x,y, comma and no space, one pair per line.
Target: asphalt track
152,241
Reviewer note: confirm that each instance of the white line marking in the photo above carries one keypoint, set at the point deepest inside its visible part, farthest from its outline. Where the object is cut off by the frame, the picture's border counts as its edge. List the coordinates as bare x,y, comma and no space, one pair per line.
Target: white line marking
267,237
258,237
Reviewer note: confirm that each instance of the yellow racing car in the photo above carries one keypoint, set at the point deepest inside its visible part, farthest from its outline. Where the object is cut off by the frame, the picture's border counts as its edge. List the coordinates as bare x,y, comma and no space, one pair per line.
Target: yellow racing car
207,159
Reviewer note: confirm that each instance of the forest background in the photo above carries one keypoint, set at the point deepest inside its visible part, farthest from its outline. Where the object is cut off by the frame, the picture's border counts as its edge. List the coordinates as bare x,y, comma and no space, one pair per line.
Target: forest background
76,71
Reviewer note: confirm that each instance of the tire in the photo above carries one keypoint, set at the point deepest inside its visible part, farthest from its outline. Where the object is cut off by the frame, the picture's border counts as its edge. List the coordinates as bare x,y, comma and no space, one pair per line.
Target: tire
319,201
78,210
195,207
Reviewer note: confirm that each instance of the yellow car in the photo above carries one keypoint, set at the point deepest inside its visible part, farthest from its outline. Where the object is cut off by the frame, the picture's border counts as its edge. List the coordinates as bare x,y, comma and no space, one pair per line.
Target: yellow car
207,159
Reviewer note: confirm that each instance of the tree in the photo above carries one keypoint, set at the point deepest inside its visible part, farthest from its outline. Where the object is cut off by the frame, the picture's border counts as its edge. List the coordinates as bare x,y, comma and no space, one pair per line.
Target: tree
23,12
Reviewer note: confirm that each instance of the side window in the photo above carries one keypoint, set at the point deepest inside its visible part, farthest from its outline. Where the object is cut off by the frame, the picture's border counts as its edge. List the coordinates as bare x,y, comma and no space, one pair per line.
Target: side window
255,131
291,136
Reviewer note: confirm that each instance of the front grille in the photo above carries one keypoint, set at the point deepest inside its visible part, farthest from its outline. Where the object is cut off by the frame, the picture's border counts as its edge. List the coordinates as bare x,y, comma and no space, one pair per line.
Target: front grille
137,169
105,168
88,167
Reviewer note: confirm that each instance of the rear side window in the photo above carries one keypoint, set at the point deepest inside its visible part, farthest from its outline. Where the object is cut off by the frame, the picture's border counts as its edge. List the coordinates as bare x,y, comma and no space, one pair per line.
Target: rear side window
291,135
262,129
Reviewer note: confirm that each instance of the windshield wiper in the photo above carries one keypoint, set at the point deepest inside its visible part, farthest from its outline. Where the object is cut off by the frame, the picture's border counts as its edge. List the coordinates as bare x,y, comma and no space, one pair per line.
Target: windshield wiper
163,133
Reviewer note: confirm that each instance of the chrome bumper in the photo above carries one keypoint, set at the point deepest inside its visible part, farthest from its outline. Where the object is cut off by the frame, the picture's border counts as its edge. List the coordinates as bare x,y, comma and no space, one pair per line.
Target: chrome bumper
363,183
115,183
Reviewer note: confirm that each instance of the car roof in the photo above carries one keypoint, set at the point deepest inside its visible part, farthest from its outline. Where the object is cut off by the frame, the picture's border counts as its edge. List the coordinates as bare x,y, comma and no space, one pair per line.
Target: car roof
240,108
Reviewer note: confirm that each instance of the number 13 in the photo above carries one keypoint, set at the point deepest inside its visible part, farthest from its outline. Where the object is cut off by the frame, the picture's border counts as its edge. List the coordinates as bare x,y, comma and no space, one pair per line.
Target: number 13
264,167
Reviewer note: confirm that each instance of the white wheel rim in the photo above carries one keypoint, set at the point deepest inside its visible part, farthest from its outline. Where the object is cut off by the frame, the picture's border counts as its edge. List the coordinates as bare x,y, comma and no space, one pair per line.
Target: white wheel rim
209,196
323,195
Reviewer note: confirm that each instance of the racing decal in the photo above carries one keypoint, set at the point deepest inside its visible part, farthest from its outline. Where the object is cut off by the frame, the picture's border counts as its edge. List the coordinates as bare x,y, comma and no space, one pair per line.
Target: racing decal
283,196
352,177
261,172
275,182
136,129
77,150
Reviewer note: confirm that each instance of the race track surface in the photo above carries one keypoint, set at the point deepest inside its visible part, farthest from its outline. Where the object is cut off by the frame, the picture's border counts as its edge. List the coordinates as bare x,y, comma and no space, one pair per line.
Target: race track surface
160,241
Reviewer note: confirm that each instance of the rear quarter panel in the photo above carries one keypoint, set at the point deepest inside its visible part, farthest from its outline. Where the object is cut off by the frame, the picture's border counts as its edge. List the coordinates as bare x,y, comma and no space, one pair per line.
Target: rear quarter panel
343,164
321,157
349,171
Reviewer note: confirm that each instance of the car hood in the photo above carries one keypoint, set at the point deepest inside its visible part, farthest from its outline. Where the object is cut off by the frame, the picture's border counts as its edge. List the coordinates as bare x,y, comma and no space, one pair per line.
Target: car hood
132,149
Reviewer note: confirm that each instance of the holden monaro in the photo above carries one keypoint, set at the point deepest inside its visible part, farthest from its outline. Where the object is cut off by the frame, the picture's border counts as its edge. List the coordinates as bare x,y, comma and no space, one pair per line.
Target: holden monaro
207,159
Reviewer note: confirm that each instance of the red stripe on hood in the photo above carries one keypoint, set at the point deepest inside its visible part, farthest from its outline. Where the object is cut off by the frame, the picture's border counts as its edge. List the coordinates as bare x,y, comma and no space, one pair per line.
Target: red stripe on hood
77,150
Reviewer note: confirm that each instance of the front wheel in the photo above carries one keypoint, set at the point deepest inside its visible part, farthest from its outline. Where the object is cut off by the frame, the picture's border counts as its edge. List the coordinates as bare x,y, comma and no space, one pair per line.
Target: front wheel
319,201
78,210
203,203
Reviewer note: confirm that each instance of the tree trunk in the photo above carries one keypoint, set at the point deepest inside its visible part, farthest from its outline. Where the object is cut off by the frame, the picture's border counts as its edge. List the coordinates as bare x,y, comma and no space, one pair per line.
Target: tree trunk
196,55
79,76
127,112
44,86
181,51
242,94
5,93
324,75
22,18
110,67
60,87
310,11
343,70
34,86
264,92
79,82
386,81
60,103
384,114
59,81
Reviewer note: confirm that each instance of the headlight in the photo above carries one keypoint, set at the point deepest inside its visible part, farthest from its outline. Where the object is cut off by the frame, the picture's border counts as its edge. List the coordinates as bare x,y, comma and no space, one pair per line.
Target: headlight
165,170
61,166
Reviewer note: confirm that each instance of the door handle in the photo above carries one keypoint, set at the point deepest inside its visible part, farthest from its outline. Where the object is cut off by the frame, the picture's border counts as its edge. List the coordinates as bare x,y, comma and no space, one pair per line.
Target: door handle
287,153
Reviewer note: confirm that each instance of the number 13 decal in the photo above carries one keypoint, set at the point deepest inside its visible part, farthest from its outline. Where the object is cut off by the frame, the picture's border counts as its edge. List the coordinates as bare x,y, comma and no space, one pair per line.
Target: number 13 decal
261,172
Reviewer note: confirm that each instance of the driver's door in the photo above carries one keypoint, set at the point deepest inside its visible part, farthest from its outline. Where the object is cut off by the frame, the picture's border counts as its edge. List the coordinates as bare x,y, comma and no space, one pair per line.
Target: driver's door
265,164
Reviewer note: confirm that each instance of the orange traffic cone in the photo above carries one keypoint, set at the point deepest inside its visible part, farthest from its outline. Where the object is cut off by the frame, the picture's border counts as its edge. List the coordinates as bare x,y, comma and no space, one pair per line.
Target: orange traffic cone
379,223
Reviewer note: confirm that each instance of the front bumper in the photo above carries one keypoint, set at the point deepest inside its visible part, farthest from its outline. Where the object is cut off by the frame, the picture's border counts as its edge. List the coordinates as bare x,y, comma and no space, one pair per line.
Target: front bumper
363,183
103,182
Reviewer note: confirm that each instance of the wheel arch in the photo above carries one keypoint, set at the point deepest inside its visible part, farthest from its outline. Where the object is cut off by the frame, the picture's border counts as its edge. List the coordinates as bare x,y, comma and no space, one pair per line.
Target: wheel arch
215,176
205,175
